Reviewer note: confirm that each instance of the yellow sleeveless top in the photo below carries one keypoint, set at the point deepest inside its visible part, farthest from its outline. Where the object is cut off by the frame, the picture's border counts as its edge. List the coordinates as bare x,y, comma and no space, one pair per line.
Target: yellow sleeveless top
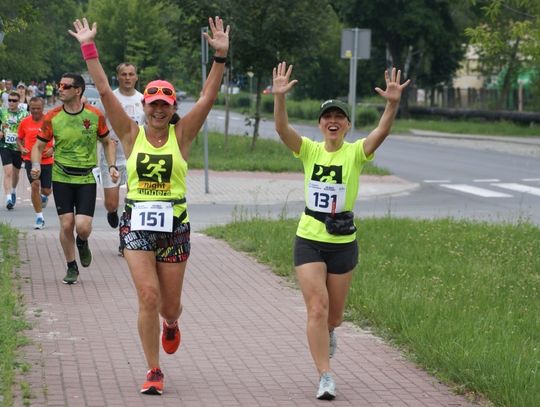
157,173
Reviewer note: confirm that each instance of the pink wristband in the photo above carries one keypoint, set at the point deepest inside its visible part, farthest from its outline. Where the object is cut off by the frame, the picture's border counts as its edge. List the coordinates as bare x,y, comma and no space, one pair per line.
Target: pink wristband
89,50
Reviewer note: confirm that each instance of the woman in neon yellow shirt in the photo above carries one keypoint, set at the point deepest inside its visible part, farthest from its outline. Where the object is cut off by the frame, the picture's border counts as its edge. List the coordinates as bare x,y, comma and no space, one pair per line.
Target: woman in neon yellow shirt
155,226
326,251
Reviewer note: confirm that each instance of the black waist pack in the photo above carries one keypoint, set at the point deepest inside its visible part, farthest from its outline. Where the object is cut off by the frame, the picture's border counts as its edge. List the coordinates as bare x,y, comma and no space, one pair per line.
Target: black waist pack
74,170
340,224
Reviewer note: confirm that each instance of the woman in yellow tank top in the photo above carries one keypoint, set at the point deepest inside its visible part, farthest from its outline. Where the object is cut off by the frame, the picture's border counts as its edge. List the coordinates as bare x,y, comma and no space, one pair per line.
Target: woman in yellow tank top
155,226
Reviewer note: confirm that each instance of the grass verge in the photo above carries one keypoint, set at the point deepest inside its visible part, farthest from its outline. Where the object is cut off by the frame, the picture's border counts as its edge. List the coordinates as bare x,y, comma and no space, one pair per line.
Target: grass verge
235,154
11,314
461,298
471,126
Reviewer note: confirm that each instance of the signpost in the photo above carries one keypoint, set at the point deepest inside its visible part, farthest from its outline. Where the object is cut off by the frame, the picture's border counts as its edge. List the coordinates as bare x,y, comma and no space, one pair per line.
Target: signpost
355,45
204,61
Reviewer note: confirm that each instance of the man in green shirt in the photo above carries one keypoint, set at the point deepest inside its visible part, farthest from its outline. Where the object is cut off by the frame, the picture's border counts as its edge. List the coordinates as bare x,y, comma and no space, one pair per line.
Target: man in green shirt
75,127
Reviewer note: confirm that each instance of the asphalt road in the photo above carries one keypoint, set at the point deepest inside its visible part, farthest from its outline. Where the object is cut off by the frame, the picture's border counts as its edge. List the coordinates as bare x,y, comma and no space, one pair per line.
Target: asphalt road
491,179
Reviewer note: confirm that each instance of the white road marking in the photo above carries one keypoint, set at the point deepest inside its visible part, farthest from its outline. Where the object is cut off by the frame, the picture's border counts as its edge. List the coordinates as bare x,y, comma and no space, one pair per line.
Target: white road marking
436,181
530,179
469,189
487,180
520,188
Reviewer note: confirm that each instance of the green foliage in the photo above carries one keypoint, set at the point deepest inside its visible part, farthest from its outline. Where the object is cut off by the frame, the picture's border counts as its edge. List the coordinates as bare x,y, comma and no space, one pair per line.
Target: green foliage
267,32
421,35
137,31
11,315
506,40
461,297
366,116
234,153
37,45
470,126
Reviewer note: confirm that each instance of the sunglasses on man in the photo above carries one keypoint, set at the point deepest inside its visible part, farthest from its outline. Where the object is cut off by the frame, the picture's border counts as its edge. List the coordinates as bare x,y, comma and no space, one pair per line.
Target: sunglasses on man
13,100
66,86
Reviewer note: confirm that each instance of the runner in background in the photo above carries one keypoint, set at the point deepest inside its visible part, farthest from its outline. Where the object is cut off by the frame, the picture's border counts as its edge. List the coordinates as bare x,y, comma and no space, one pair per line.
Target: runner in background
131,101
29,128
9,151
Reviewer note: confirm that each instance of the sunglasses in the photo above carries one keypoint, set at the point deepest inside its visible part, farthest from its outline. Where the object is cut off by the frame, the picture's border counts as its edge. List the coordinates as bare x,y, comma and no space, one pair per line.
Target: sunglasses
65,86
13,100
154,90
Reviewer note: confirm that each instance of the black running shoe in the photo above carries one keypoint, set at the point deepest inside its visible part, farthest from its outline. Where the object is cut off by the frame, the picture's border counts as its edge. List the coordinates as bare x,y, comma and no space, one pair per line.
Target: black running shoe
112,218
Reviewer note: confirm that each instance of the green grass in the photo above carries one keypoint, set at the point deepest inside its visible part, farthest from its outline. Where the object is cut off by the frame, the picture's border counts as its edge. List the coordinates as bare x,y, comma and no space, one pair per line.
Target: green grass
461,298
235,154
503,128
11,314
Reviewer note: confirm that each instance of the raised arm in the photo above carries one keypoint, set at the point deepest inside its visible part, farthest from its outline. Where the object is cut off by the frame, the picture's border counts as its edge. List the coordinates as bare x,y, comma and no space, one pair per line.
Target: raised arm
280,87
392,94
191,123
123,126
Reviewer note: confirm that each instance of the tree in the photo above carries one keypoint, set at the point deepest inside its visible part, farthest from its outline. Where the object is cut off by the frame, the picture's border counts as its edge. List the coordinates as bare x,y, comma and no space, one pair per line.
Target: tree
35,45
420,36
138,31
264,33
507,39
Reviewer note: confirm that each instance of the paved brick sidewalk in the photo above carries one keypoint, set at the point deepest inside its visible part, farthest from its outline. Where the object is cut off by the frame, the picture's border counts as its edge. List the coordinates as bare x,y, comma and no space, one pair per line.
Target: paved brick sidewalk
243,341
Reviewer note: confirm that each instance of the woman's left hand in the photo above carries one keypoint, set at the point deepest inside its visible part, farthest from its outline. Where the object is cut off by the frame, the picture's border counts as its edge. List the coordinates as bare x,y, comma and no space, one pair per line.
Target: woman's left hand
393,90
220,36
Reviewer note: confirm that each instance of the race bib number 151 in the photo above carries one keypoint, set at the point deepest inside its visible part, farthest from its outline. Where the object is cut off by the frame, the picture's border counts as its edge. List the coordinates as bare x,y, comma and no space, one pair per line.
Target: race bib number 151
153,216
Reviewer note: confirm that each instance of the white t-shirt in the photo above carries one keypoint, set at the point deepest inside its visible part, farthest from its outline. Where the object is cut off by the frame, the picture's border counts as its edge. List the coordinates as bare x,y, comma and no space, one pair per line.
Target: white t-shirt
134,108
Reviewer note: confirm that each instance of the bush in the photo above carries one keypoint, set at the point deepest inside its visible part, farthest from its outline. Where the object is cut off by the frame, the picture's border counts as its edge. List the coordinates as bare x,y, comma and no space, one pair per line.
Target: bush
365,116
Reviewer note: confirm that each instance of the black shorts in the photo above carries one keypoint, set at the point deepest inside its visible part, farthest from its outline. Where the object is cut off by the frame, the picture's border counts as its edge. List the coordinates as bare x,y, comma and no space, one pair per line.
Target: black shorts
45,178
169,247
78,198
11,157
340,258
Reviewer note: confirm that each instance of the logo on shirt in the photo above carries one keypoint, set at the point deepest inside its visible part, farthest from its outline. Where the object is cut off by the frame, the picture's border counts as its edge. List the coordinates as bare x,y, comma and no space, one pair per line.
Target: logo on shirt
87,123
154,173
331,174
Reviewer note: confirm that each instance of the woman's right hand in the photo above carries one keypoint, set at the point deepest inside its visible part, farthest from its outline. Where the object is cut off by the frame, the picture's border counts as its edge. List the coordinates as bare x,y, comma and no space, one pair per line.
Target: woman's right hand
83,32
281,82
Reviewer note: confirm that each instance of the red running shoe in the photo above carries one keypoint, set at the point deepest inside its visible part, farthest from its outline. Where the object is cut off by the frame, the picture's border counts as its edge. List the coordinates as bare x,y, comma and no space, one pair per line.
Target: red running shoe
153,383
170,337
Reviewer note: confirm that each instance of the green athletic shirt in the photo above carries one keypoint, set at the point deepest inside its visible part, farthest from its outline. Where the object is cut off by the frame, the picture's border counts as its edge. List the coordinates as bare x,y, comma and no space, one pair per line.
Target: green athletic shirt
75,141
340,167
10,123
157,173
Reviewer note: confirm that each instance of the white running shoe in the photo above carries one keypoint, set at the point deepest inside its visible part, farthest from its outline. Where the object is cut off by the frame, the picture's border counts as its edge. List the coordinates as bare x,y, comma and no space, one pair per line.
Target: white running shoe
40,223
333,343
327,387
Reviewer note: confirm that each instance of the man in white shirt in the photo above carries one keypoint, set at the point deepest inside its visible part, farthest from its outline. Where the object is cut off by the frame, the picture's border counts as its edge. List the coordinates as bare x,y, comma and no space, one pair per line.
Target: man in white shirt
131,101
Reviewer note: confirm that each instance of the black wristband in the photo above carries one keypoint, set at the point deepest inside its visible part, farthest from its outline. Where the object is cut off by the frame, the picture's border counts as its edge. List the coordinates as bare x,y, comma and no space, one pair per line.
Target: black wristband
113,166
220,60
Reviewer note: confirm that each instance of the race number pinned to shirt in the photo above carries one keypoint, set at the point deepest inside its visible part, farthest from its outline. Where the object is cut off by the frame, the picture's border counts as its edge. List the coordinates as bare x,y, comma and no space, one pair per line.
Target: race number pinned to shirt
153,216
325,197
10,138
96,172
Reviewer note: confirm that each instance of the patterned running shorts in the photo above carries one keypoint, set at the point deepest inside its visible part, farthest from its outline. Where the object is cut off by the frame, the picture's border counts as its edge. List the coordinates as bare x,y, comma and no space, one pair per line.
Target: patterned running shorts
169,247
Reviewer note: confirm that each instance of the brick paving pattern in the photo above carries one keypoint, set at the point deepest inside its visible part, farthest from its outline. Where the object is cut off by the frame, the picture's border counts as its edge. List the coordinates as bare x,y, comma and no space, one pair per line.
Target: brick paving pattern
243,340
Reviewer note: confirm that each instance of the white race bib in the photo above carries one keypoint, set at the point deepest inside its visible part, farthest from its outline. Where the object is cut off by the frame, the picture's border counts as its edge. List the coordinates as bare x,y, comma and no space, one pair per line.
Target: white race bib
96,172
10,138
153,216
327,198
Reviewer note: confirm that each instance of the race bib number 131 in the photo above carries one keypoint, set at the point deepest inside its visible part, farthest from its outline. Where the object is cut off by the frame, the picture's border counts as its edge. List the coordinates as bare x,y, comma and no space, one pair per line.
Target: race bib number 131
325,197
153,216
